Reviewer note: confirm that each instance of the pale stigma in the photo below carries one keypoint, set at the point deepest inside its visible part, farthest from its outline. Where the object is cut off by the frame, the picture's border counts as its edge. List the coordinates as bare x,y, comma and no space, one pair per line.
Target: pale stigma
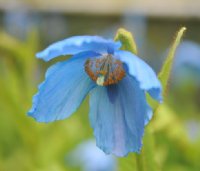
100,80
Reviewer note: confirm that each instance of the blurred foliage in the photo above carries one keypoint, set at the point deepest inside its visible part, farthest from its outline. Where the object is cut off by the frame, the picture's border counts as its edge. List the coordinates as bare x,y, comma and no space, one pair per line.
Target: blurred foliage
26,145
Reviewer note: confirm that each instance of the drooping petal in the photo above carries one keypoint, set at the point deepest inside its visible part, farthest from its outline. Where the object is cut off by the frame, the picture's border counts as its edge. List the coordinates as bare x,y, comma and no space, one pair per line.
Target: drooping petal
63,90
118,115
77,44
142,72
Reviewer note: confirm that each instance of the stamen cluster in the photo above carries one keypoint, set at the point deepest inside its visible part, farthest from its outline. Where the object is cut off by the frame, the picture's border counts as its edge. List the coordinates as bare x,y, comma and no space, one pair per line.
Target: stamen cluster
106,68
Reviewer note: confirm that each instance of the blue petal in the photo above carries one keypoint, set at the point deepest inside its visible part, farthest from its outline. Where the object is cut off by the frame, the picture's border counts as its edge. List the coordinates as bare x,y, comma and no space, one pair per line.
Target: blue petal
119,124
63,90
142,72
78,44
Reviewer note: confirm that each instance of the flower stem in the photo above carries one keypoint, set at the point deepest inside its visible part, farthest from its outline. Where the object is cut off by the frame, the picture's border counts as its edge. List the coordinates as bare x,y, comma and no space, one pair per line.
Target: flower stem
146,159
139,162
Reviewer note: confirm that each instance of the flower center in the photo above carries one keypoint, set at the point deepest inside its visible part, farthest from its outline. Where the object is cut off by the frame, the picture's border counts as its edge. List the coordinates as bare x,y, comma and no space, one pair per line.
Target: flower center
105,70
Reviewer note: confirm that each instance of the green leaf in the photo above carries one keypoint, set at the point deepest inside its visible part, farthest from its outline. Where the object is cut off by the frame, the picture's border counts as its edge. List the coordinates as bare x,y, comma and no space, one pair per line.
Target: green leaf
127,40
164,74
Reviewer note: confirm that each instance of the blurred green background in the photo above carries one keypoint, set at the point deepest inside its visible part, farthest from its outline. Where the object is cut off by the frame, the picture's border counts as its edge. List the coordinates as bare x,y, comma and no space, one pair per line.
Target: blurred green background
27,27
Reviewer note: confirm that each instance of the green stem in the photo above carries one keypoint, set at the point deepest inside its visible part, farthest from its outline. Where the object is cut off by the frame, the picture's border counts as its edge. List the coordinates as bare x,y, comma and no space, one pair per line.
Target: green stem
139,162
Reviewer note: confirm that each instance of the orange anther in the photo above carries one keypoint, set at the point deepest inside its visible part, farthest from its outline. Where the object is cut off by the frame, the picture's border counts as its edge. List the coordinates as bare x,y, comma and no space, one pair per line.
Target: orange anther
111,68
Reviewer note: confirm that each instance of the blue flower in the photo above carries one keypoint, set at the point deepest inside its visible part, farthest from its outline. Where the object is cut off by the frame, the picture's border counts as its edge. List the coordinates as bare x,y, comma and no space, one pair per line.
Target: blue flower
186,68
91,158
116,80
